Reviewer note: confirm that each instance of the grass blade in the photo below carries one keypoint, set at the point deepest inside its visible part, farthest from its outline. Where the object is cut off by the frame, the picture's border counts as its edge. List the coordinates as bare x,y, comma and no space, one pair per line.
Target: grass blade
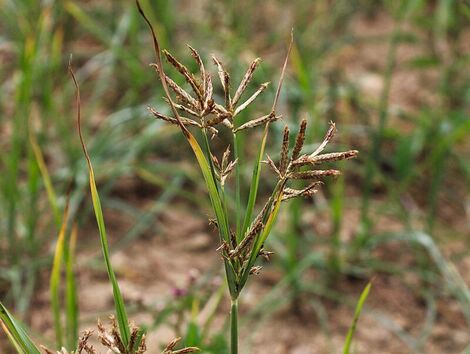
238,208
16,333
357,312
254,185
217,206
51,195
71,299
121,313
54,285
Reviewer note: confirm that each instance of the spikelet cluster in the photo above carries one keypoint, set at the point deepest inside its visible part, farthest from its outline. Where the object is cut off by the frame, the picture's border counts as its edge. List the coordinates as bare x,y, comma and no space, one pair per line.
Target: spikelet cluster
199,109
111,340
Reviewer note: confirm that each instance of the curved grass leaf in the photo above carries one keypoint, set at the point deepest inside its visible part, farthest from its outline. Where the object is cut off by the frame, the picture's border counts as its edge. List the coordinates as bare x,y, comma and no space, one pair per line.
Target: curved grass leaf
121,313
357,312
217,206
16,333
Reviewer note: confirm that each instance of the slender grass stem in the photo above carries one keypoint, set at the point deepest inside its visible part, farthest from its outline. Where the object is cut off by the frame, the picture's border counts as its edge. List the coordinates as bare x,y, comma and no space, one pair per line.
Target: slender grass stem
234,327
236,156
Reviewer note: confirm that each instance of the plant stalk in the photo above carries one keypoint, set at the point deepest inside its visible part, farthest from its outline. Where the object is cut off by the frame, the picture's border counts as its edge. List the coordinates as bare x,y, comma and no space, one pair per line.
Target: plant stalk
234,327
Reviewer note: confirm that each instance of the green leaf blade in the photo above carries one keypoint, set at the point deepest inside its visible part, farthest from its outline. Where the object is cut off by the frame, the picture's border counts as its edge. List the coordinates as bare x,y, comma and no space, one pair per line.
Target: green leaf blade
254,185
16,333
357,312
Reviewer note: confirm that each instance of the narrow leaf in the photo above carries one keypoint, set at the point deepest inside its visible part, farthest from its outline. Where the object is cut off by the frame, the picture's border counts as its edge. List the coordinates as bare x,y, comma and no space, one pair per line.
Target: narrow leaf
254,185
54,284
16,333
121,313
71,297
51,195
357,312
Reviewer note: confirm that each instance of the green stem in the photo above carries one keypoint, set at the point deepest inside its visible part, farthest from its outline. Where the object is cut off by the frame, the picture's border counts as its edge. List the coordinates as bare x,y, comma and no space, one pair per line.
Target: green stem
234,327
236,156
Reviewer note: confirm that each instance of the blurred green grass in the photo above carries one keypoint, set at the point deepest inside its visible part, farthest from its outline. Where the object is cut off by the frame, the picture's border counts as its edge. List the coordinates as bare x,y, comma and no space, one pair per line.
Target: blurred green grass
393,74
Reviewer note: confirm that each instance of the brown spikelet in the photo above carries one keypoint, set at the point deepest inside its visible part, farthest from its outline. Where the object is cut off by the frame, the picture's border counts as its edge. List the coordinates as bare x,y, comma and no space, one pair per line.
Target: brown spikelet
314,174
245,81
224,248
272,165
299,141
284,152
83,346
330,157
83,343
189,77
329,135
181,94
213,223
107,339
217,119
225,167
225,157
308,191
226,172
249,237
134,336
208,101
335,156
200,63
225,81
255,270
265,254
251,99
172,344
215,162
170,348
185,121
258,121
183,108
116,334
233,240
219,109
182,120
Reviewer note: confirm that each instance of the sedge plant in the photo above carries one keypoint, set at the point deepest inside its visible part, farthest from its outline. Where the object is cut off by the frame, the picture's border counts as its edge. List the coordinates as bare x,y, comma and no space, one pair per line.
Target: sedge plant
242,233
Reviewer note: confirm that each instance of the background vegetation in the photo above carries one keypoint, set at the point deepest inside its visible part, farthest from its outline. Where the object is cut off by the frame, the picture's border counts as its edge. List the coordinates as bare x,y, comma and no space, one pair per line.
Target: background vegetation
394,76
